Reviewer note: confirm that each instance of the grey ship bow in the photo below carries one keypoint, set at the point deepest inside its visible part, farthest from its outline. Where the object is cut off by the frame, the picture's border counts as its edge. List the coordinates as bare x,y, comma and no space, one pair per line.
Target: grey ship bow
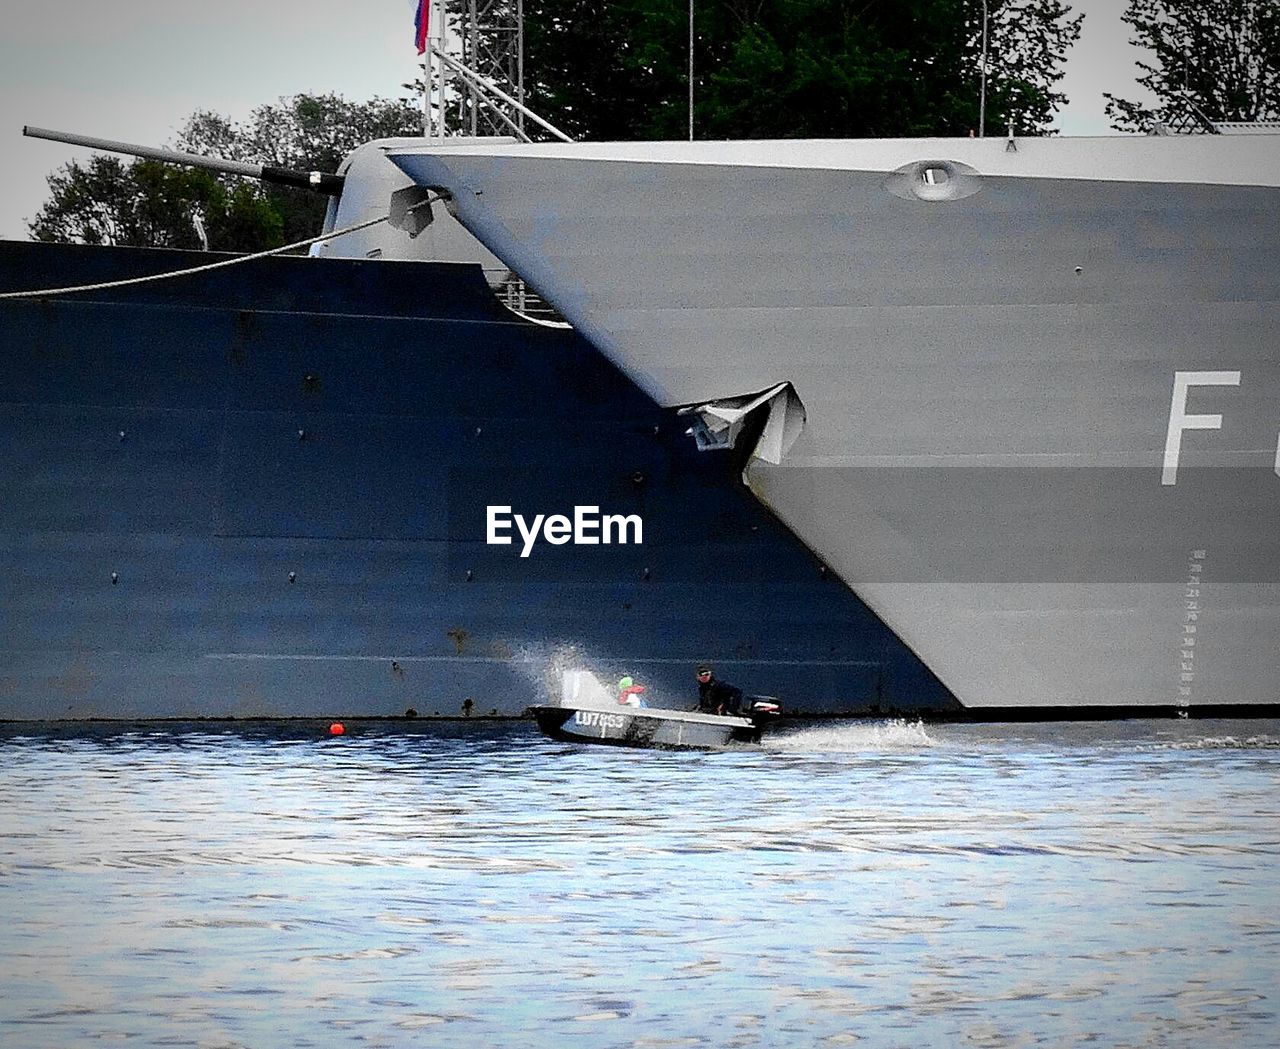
1026,394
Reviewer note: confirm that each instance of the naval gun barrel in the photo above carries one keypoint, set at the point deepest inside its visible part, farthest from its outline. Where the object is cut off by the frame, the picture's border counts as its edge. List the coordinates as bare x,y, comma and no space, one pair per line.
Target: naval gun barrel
319,181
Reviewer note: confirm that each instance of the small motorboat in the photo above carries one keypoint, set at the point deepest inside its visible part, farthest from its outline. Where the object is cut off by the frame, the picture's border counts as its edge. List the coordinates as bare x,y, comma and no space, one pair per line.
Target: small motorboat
587,714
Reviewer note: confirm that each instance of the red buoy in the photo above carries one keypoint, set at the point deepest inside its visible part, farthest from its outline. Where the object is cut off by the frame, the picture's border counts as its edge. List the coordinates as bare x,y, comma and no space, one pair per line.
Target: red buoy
337,728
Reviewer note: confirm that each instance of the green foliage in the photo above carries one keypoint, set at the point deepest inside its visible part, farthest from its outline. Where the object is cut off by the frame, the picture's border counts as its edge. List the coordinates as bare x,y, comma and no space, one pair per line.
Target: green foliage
303,132
617,69
145,204
1221,56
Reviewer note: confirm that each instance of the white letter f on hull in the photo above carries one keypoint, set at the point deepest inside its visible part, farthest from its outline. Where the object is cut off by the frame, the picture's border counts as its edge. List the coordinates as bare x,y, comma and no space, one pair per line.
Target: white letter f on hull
1179,420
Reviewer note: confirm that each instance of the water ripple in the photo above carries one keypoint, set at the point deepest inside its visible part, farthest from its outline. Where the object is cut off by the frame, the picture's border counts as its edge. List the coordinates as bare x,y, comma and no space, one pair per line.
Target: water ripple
894,882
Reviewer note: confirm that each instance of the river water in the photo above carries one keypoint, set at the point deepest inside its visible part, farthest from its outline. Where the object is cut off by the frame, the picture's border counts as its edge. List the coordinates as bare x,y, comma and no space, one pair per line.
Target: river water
476,885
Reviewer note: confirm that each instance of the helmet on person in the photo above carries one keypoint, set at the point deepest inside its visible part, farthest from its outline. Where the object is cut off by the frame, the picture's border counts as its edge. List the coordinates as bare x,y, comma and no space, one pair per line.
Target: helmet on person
625,682
704,672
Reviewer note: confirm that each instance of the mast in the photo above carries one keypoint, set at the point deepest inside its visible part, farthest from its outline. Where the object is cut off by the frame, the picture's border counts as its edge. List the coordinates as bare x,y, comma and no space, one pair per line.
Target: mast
490,46
436,81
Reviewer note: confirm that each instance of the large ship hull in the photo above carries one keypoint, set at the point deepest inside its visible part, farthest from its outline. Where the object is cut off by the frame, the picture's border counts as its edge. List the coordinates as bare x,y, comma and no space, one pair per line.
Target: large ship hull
262,492
989,341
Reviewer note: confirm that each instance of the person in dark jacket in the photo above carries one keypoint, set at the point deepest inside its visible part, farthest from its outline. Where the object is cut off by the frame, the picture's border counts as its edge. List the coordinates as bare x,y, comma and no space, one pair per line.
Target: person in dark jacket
716,696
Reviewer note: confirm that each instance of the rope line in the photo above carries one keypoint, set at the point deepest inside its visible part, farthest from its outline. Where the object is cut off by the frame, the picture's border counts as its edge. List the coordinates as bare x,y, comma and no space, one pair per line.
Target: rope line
46,292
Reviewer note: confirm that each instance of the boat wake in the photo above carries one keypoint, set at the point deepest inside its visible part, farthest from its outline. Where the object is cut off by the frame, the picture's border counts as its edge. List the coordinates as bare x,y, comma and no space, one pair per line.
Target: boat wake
898,734
1223,743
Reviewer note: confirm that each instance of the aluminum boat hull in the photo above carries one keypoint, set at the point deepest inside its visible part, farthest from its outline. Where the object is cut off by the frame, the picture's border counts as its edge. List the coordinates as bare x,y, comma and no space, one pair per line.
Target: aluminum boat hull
639,727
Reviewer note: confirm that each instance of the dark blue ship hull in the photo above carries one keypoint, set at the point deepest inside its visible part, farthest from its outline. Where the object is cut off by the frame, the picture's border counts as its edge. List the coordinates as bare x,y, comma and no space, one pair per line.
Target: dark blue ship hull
262,492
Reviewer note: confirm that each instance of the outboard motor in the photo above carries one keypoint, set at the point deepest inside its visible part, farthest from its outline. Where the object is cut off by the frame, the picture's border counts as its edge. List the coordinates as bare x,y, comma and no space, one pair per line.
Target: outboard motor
763,712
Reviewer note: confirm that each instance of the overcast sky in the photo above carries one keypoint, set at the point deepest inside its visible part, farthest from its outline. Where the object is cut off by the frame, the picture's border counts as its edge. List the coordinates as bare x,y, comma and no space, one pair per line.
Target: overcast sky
136,69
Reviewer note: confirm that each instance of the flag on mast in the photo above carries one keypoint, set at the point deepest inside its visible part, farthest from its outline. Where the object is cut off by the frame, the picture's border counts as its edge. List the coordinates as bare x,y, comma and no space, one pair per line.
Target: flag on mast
421,24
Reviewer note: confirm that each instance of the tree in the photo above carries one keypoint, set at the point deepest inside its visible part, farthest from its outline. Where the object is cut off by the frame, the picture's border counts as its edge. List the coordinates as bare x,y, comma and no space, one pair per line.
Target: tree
1221,56
1028,45
146,204
303,132
794,68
